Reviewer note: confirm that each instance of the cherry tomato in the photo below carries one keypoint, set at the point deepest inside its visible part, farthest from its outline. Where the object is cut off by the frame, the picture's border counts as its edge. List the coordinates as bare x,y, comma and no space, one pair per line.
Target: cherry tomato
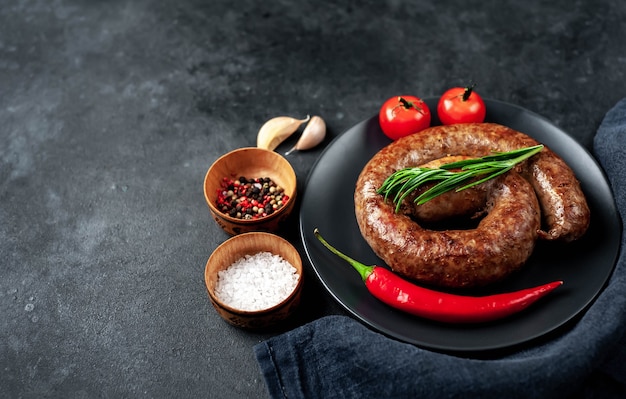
461,105
403,115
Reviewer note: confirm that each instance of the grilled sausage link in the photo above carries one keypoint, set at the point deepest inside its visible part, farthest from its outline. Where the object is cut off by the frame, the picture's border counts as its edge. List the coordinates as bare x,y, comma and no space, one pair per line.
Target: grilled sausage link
504,238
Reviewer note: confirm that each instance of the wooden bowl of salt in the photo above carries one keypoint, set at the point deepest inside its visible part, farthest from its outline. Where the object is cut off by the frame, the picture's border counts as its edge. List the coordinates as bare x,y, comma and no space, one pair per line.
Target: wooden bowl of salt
254,280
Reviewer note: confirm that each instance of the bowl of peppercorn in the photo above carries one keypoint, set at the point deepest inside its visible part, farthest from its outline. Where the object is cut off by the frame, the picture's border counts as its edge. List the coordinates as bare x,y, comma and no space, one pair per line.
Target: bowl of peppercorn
250,189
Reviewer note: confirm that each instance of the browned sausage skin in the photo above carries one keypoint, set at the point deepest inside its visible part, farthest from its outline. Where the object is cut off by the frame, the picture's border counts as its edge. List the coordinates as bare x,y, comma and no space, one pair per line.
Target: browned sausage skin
463,258
501,244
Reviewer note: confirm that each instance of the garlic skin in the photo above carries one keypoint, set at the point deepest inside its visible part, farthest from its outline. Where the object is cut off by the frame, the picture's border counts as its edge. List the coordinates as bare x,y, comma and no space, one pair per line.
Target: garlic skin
276,130
313,134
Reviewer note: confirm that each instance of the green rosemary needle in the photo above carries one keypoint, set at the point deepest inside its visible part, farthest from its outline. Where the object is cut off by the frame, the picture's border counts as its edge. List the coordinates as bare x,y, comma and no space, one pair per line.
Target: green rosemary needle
401,183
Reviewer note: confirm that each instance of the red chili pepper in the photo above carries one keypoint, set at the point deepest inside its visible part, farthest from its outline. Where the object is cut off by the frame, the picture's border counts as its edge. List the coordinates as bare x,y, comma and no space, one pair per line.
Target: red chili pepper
440,306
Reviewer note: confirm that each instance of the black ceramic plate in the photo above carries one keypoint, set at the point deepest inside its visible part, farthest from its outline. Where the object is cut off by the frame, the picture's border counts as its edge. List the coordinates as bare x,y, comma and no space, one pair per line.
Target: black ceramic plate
584,266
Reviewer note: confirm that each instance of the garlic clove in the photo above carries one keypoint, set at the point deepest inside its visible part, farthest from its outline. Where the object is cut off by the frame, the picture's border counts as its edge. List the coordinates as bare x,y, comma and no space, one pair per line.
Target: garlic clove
276,130
313,134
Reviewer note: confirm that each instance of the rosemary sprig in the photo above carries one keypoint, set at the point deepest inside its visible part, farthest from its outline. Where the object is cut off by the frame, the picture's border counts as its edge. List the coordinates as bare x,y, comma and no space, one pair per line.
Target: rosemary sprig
402,182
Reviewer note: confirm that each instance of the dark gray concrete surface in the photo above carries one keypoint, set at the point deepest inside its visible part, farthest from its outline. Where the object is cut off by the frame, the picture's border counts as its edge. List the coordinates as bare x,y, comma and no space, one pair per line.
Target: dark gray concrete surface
111,113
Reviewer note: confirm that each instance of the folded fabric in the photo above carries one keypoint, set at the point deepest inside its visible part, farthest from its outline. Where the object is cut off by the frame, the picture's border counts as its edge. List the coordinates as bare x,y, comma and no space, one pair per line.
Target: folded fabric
338,357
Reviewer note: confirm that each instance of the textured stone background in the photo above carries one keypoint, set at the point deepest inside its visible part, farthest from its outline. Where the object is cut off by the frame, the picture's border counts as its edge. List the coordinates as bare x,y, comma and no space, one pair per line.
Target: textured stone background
111,113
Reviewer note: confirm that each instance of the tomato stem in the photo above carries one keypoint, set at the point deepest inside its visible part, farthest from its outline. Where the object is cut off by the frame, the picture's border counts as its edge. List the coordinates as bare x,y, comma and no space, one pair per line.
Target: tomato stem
409,104
468,92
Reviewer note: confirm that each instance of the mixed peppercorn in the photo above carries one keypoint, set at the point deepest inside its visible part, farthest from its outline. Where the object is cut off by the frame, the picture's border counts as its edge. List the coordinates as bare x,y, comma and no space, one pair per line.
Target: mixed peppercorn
249,199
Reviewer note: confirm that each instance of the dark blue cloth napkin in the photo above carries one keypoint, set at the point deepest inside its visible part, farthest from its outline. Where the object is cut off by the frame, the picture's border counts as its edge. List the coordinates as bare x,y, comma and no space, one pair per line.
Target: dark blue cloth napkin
338,357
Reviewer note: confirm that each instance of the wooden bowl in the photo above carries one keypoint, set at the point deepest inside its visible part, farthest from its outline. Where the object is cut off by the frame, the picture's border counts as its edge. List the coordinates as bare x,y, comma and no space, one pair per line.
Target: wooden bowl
234,249
250,162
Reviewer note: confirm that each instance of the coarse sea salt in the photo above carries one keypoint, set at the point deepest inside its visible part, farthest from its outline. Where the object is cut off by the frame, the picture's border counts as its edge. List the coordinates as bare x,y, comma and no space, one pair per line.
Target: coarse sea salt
256,282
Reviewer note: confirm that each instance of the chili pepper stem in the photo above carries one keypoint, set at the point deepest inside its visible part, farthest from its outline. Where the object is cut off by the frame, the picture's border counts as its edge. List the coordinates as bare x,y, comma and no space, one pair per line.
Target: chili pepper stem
363,270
